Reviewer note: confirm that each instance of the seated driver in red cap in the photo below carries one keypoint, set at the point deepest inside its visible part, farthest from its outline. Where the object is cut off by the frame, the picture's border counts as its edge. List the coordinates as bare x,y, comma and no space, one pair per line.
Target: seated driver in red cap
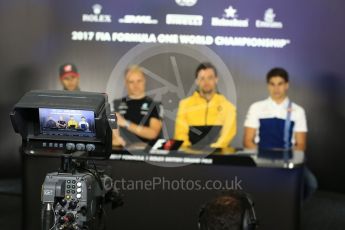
69,77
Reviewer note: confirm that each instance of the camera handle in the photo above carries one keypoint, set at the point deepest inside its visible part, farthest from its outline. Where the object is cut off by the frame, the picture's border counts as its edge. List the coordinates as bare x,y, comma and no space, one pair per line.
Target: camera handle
67,163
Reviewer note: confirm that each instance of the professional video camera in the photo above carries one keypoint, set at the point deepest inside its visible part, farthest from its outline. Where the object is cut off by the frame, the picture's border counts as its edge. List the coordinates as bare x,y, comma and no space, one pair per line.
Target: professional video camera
76,126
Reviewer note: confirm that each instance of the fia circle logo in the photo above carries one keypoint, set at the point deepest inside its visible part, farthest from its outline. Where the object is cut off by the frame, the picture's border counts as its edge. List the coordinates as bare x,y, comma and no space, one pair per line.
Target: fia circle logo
186,2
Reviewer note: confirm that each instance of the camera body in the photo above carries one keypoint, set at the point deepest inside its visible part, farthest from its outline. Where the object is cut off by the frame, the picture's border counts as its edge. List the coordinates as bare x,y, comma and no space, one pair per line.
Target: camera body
76,126
76,199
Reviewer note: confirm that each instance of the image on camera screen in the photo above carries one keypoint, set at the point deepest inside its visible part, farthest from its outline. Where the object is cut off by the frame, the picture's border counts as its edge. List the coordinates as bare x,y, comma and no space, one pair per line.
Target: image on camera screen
67,122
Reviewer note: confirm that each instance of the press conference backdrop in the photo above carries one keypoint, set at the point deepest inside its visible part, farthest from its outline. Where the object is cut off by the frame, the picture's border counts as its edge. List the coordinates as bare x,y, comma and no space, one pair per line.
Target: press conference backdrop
244,39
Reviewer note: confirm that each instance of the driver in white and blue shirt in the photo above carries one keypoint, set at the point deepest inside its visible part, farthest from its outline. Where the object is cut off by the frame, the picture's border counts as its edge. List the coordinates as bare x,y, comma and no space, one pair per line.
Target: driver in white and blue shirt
265,125
277,122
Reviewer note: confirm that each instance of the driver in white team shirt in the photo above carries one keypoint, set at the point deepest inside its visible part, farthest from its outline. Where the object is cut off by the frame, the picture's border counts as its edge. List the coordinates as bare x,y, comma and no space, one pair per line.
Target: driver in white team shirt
277,122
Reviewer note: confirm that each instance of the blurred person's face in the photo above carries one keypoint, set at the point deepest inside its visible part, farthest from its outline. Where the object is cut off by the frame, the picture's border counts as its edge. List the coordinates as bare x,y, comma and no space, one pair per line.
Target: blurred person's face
135,83
70,83
207,81
277,87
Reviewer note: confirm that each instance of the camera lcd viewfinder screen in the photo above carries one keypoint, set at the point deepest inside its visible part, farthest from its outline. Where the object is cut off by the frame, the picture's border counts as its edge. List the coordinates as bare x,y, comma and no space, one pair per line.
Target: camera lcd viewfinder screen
66,122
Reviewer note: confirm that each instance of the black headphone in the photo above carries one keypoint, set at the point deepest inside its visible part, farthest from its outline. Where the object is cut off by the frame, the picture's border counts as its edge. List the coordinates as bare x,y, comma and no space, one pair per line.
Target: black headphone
249,221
